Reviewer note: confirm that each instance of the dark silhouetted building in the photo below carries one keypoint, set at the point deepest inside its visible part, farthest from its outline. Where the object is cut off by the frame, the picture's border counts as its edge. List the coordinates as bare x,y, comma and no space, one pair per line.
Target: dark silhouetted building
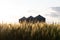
30,19
22,19
38,18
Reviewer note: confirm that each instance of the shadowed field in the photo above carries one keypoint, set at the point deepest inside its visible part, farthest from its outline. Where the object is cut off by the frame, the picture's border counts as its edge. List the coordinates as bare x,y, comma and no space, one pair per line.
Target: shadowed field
30,31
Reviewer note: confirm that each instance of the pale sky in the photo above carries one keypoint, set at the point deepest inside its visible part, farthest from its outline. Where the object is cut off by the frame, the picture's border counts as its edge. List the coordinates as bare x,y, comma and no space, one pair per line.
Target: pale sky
12,10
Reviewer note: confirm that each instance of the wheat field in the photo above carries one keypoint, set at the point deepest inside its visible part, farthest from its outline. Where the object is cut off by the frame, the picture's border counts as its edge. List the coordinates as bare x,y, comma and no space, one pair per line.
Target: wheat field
30,31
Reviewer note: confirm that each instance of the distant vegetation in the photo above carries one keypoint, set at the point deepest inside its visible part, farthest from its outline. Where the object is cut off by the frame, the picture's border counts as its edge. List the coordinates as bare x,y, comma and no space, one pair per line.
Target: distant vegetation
30,31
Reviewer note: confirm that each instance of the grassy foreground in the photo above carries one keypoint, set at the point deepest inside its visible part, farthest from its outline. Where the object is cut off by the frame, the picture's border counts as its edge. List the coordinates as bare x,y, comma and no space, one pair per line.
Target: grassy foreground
30,31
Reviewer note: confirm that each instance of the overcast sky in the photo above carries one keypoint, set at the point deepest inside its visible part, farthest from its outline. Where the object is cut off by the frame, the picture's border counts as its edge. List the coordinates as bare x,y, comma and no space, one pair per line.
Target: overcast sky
12,10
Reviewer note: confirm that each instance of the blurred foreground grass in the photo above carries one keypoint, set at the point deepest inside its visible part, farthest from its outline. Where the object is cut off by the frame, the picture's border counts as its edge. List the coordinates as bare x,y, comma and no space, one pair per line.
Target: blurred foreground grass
30,31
